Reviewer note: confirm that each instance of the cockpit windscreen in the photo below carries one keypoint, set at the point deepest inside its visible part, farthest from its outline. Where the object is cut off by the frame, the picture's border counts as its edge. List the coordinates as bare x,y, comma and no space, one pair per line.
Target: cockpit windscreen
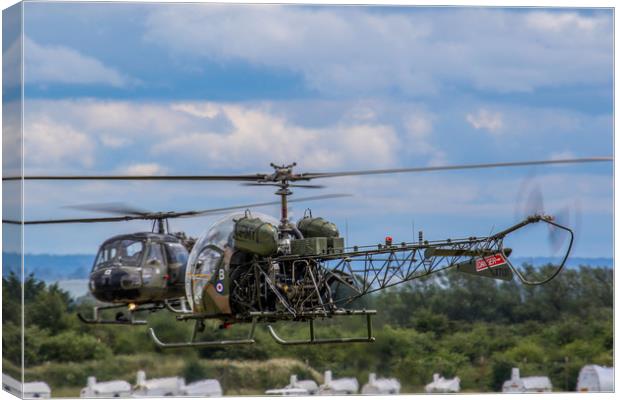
127,252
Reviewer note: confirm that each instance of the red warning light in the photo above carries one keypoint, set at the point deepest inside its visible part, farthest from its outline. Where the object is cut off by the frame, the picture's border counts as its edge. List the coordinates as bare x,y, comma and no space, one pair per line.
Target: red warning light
388,240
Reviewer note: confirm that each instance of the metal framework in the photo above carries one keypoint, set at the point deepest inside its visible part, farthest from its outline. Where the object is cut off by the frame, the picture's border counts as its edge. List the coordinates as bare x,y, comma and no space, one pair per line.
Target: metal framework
294,288
364,270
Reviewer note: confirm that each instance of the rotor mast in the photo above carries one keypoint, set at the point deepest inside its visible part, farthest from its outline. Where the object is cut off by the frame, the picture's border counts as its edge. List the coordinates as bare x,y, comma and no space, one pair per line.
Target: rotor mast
281,177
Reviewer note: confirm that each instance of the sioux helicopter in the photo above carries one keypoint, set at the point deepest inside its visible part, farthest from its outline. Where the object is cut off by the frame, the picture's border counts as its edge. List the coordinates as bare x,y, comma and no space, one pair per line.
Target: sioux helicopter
252,268
142,271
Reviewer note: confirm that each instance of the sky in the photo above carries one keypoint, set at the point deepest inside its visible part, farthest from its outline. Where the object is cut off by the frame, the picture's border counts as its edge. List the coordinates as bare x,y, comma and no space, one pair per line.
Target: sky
218,89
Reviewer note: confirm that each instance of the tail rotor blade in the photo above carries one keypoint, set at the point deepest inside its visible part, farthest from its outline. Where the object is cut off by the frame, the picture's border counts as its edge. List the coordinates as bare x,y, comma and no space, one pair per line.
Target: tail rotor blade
569,216
535,203
556,235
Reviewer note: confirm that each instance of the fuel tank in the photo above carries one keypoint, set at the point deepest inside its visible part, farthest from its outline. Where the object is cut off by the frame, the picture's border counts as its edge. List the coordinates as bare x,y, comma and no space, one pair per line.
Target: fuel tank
317,227
253,235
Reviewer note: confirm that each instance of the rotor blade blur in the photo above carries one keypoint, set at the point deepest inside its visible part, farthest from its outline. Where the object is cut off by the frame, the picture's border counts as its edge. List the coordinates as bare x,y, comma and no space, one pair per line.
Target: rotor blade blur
269,203
307,186
306,176
557,237
289,185
454,167
254,177
170,214
71,220
114,208
535,203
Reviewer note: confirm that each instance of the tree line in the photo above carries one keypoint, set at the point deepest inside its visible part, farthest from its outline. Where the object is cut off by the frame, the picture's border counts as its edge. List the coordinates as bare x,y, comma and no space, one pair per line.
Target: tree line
450,323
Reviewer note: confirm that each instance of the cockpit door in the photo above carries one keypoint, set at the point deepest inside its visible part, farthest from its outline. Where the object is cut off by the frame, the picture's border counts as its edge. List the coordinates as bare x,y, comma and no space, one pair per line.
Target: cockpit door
155,270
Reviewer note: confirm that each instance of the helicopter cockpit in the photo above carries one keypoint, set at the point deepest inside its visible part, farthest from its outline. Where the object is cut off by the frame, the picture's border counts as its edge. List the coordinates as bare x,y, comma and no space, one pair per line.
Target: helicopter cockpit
127,252
137,267
207,279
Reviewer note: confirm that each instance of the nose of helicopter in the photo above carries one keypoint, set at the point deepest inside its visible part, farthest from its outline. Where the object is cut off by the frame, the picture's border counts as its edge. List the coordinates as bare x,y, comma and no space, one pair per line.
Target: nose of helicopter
114,284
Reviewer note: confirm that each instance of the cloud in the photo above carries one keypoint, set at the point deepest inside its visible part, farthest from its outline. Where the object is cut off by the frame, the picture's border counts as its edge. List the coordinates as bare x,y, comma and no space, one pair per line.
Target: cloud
114,141
60,64
257,135
487,120
449,194
418,52
12,65
115,124
11,138
143,169
562,155
225,137
419,128
566,21
221,136
48,142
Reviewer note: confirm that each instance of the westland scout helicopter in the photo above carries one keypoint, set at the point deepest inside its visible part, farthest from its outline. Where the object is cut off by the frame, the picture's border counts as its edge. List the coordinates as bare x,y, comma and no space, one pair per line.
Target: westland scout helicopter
252,268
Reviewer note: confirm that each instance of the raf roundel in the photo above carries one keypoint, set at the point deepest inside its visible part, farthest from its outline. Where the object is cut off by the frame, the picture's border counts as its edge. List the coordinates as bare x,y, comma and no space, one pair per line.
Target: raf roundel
219,287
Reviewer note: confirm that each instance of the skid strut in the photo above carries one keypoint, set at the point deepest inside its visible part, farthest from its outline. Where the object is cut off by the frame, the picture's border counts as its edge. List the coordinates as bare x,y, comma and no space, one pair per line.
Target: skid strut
120,319
199,327
313,340
178,306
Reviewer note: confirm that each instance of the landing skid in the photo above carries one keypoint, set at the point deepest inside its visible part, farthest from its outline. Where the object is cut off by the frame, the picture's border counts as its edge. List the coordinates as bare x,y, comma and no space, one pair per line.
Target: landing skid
199,327
313,340
121,318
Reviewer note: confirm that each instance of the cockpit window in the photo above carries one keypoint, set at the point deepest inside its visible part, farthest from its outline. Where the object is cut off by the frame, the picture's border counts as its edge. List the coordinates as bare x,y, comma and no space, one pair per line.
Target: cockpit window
127,252
130,252
156,256
208,262
177,253
131,248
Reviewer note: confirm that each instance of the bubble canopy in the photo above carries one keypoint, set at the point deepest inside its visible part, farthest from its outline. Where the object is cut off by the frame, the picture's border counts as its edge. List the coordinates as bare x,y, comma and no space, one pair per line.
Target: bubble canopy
211,253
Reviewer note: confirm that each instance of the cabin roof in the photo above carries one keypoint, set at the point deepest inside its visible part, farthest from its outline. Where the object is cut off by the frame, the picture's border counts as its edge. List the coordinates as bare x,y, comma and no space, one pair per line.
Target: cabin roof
536,382
204,386
286,391
385,384
163,237
163,383
111,386
10,381
308,385
36,387
605,376
530,382
443,384
346,384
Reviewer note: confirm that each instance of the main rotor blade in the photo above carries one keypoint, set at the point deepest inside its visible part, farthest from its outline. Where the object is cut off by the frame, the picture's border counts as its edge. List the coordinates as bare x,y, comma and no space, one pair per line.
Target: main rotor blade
269,203
296,185
71,220
307,176
249,178
171,214
114,208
